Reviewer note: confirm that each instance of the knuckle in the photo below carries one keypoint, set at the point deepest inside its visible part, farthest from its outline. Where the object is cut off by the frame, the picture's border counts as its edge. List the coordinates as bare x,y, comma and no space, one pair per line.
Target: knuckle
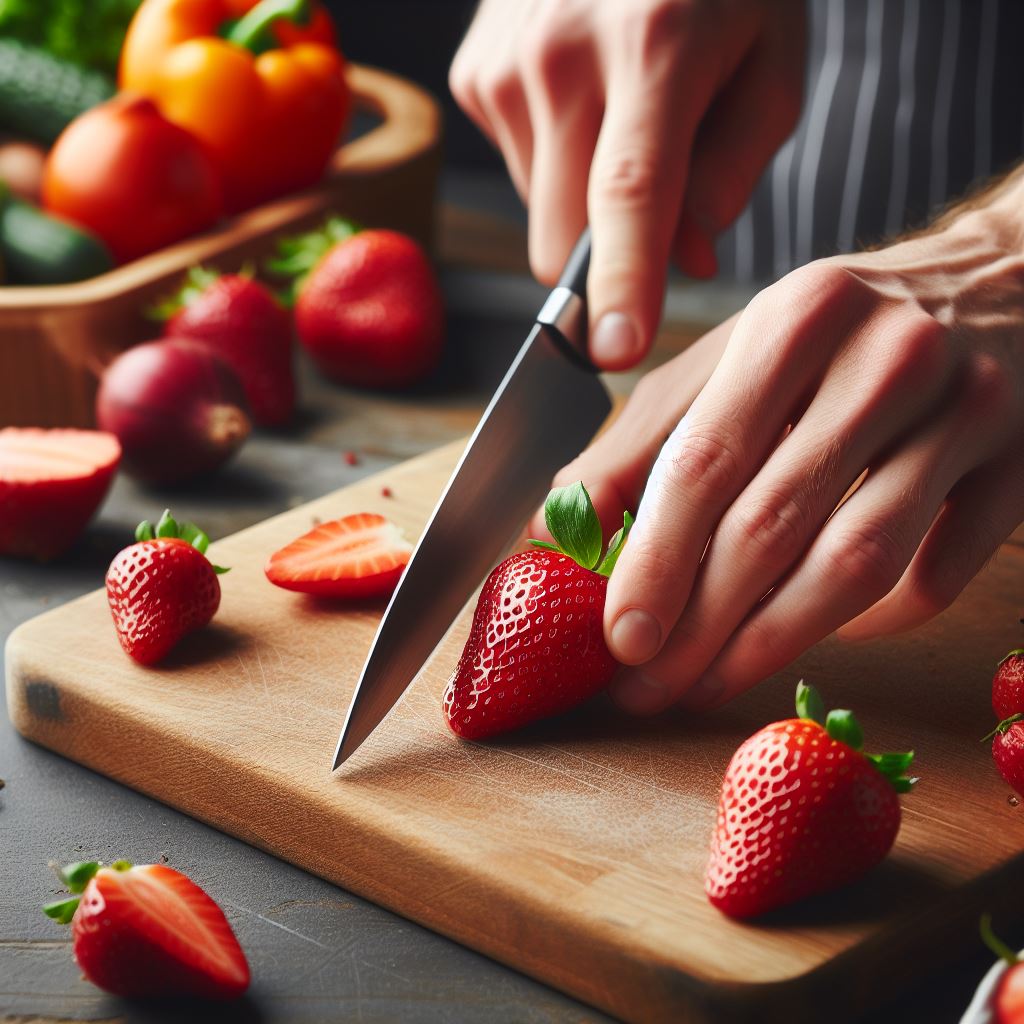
701,463
932,592
499,88
989,389
651,23
657,566
462,82
544,48
771,529
869,555
924,351
627,178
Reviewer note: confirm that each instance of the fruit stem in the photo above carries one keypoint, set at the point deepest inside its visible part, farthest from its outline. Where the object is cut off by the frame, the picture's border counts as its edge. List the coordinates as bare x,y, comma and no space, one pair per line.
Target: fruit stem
1000,948
1017,651
248,32
1003,727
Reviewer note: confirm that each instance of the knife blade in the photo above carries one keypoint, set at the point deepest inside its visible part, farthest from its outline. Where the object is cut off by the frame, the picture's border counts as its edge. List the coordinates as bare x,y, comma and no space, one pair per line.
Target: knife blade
549,405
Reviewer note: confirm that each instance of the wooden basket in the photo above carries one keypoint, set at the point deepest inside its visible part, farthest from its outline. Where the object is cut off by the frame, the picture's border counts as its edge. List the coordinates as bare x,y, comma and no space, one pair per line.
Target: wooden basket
55,340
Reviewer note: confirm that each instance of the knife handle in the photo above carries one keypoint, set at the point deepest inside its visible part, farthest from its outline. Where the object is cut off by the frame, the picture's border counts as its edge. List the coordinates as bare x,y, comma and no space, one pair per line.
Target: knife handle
565,310
574,274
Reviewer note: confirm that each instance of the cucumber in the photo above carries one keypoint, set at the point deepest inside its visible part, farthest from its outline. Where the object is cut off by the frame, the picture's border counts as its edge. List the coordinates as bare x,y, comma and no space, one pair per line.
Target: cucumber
41,94
38,249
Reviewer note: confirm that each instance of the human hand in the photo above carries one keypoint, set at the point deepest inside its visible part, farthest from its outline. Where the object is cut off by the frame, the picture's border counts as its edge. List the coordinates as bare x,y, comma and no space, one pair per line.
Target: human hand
908,363
652,119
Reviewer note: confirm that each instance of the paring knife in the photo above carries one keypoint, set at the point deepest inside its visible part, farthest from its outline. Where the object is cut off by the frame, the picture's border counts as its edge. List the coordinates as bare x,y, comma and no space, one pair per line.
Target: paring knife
543,414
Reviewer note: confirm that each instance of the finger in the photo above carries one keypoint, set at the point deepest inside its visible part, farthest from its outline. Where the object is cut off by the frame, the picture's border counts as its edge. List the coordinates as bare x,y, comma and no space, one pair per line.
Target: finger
565,109
781,345
749,120
980,513
864,549
849,423
616,466
635,190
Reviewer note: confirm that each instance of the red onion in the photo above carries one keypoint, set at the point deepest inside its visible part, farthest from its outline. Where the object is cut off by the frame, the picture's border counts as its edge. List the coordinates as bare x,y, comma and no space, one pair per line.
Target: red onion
177,409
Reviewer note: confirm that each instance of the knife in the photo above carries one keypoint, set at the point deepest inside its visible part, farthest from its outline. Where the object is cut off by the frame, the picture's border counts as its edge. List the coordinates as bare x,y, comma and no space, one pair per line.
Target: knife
545,411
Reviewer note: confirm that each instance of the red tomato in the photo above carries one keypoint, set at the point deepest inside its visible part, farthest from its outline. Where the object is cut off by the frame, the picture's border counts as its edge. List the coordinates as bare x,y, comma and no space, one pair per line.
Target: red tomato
129,175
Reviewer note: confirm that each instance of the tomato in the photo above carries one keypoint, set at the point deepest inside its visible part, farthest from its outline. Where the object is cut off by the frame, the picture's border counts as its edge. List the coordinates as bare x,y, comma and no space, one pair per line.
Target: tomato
132,177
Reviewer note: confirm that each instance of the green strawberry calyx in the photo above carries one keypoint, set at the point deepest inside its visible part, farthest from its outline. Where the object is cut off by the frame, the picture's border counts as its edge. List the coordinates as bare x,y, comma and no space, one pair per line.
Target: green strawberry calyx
75,877
841,725
169,527
298,255
1018,652
572,520
996,944
196,282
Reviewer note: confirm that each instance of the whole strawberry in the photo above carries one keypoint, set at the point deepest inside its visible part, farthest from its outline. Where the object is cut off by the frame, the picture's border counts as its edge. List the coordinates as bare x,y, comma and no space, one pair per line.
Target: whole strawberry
162,588
1008,703
536,646
244,324
368,308
149,931
802,811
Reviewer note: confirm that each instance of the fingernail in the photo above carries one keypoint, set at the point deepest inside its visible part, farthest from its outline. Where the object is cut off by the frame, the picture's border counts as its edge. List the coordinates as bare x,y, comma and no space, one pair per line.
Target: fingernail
639,694
615,340
635,637
703,694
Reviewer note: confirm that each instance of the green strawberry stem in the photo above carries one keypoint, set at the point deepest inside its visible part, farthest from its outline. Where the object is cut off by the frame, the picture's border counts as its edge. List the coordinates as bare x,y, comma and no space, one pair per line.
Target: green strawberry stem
1003,727
571,518
841,725
1000,948
169,527
298,255
75,878
1016,652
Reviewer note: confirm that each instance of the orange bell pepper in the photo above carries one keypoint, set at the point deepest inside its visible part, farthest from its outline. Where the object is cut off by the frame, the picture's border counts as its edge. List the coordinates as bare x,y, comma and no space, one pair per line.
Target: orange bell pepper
262,84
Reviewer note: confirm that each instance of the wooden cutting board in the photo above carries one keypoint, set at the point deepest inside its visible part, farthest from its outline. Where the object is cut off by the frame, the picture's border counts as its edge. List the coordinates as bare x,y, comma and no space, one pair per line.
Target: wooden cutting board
575,850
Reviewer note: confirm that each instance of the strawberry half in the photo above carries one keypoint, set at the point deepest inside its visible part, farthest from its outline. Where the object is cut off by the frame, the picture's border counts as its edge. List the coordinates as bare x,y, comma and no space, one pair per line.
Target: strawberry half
1008,999
242,322
149,931
802,811
359,556
368,307
162,588
536,646
51,483
1008,703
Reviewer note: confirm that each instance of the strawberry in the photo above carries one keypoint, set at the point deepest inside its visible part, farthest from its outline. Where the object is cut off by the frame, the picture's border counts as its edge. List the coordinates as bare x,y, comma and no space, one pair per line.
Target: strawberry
1008,703
361,555
149,931
536,646
1007,1002
244,324
161,588
802,811
368,307
51,483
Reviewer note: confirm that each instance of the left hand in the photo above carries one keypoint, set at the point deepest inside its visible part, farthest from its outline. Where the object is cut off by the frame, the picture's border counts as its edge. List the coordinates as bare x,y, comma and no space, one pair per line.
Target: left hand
906,363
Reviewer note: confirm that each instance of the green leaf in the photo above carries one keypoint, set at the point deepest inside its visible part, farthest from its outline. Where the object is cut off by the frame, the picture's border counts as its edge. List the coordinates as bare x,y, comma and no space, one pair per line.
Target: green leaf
167,527
544,544
892,764
197,280
78,875
616,545
299,254
62,911
219,569
842,726
144,531
191,534
809,704
572,521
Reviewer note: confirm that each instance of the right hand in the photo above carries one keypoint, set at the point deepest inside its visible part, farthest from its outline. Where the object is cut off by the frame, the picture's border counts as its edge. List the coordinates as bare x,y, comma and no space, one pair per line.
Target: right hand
650,119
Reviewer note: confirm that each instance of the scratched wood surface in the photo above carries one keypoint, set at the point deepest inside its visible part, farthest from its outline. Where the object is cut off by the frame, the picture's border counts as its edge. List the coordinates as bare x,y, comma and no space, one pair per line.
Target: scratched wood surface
575,850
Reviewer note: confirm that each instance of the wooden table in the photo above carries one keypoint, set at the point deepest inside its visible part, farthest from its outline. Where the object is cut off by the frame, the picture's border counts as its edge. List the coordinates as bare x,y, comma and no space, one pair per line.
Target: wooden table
318,953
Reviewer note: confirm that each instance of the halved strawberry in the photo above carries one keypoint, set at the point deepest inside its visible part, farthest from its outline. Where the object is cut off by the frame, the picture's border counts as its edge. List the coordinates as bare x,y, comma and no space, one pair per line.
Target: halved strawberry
51,483
361,555
149,931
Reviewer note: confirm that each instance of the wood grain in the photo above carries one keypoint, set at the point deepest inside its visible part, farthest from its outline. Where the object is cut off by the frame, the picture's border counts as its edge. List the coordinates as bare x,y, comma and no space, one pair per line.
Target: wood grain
55,340
575,850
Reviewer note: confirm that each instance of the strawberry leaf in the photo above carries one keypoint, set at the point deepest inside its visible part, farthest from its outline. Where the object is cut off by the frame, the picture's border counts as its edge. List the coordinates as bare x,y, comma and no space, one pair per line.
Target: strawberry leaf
62,911
809,704
616,544
298,255
77,876
191,534
842,726
144,531
570,517
167,527
545,545
197,280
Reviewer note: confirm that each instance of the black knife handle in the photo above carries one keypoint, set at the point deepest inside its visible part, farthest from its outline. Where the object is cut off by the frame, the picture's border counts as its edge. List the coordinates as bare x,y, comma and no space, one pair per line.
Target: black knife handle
574,274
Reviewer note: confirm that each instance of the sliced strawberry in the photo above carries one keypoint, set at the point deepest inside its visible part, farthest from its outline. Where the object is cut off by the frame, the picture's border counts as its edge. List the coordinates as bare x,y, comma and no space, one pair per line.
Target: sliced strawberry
361,555
51,483
150,931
